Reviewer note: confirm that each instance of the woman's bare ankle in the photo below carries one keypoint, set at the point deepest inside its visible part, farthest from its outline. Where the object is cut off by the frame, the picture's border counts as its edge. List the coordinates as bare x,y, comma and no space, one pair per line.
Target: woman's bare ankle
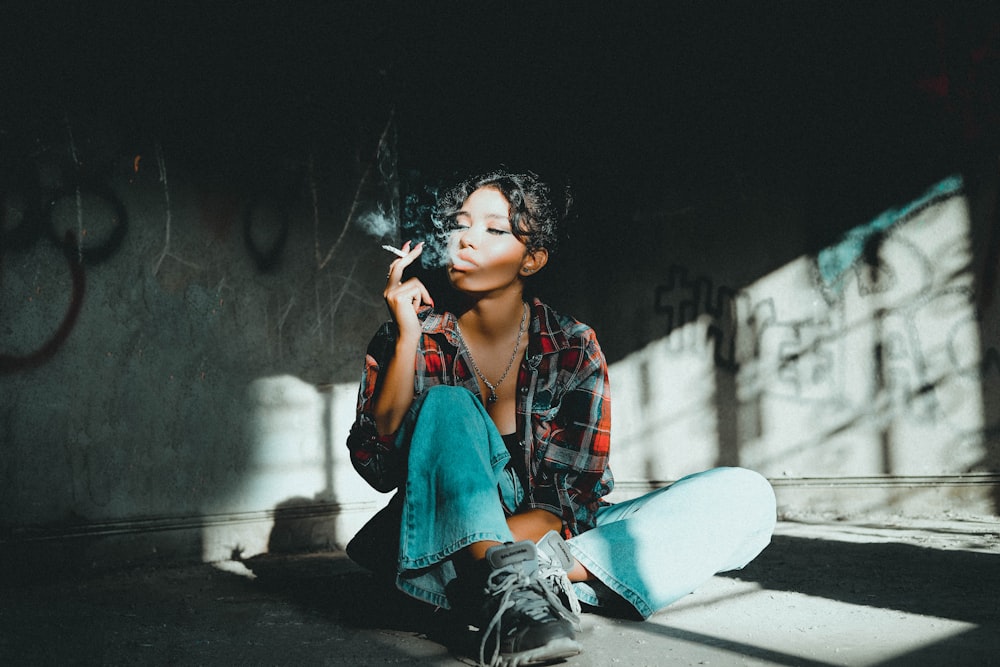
477,550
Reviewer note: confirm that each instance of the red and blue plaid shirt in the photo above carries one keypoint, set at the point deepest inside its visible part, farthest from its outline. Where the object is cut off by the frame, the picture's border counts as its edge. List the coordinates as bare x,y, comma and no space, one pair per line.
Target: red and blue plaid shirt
563,410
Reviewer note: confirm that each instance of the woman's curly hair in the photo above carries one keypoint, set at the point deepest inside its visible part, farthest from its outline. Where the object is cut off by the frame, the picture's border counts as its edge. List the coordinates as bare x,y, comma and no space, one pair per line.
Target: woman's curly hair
534,218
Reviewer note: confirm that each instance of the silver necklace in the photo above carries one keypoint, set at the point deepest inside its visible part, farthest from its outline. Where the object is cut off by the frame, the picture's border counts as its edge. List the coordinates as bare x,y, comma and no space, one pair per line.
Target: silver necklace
517,344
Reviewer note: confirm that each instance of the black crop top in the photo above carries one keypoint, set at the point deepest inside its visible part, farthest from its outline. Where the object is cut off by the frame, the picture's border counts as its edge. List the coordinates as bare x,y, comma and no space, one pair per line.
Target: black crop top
516,462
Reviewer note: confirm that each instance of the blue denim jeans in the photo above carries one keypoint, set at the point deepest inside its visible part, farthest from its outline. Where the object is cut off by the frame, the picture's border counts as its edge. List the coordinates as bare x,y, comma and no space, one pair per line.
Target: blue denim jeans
456,488
657,548
647,552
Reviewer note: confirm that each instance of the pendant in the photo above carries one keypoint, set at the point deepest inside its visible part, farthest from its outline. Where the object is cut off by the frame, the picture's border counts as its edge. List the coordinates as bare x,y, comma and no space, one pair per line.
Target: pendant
493,398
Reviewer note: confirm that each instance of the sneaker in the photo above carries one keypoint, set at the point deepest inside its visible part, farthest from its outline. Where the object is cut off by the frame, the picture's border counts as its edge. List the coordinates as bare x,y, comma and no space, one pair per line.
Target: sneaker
525,621
554,562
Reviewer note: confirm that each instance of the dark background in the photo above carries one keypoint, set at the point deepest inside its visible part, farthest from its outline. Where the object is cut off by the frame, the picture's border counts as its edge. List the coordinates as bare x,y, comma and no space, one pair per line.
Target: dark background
819,98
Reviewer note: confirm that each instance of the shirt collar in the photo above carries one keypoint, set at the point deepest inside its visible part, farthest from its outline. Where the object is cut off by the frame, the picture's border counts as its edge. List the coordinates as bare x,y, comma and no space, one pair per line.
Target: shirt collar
545,333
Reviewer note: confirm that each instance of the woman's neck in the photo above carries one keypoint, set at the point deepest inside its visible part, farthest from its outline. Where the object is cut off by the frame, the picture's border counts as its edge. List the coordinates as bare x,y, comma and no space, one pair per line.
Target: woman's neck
492,315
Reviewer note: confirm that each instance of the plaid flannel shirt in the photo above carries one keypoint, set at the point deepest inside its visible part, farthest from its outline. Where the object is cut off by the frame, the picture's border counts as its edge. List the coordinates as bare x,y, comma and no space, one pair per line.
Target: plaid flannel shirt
563,411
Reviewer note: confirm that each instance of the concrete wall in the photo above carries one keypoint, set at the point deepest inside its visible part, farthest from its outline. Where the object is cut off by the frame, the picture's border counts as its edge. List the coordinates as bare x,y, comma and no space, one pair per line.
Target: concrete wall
861,379
778,259
167,387
178,376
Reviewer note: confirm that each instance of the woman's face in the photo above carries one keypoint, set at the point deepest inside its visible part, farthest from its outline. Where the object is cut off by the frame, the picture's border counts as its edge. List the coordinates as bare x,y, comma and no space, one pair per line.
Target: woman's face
484,254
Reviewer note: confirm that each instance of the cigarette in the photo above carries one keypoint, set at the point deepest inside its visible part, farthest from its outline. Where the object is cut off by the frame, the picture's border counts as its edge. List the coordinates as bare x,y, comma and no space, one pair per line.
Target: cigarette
395,251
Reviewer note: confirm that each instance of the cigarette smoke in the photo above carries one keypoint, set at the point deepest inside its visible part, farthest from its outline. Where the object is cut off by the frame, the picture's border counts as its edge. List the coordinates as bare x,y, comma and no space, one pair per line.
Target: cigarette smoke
416,226
389,222
382,219
418,209
376,223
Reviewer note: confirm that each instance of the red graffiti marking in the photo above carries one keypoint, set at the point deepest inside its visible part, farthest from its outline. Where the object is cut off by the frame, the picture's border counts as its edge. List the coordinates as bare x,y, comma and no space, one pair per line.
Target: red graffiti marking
10,363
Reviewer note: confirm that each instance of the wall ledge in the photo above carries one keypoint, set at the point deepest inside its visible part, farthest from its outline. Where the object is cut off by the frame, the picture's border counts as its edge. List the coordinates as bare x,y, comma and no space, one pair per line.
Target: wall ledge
319,525
110,528
319,509
873,495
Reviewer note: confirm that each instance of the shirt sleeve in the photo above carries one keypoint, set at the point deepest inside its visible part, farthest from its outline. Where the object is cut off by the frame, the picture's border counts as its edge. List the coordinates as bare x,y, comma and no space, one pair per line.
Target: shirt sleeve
375,456
573,474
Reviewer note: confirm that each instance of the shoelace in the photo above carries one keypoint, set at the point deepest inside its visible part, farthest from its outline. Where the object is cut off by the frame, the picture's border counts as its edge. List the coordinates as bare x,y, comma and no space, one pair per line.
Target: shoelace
553,573
514,587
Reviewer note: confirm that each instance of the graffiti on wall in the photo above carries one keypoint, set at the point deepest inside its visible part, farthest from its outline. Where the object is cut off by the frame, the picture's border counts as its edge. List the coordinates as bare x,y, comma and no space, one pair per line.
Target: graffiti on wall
683,299
886,299
70,200
55,205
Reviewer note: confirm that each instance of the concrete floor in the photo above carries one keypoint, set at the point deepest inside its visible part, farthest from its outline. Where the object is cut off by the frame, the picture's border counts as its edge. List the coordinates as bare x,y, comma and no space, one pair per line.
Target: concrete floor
824,593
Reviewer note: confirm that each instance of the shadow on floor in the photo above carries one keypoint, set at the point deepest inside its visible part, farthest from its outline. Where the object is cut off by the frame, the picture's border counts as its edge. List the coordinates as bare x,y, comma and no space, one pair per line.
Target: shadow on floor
336,587
959,585
321,609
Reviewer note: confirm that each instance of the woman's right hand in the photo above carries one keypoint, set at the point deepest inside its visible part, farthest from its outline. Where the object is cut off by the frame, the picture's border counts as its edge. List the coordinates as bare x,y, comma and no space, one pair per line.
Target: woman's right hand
404,298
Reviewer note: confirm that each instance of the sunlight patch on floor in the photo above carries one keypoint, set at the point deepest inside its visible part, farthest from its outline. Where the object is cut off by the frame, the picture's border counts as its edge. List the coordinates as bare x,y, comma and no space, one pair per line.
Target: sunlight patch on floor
728,617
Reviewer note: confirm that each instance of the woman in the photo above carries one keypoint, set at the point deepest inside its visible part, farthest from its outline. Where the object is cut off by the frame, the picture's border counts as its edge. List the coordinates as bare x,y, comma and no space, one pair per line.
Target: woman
492,419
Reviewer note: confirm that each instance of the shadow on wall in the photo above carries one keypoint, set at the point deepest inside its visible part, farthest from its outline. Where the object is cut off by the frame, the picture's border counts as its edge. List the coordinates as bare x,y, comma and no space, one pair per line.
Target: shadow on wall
298,490
857,381
124,357
664,415
866,368
985,239
877,326
867,360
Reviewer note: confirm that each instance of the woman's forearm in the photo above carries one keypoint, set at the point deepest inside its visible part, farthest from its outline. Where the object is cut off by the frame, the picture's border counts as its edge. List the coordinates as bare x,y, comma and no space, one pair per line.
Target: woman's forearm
396,393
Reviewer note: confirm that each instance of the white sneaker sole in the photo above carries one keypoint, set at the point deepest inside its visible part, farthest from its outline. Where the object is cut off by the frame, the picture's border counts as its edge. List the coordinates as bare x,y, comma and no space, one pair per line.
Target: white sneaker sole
557,649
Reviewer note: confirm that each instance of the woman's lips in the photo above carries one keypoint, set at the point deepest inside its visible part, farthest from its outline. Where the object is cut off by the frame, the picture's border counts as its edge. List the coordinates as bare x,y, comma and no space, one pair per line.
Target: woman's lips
460,263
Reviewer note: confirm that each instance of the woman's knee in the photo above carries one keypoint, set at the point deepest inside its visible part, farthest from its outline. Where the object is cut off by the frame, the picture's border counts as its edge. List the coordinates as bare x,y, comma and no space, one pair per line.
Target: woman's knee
737,490
752,492
447,419
445,406
445,395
